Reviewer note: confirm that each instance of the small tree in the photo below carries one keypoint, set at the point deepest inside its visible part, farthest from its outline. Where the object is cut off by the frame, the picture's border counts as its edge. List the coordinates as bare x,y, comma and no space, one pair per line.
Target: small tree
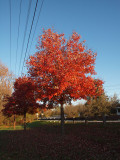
22,100
62,69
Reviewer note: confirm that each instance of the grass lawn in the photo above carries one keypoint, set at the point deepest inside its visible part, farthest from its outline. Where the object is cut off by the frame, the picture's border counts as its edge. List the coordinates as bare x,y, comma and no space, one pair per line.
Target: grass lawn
43,141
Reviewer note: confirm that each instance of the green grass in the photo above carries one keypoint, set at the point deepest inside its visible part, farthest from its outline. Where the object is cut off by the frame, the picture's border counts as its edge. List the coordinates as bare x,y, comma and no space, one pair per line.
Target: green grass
10,128
38,124
34,124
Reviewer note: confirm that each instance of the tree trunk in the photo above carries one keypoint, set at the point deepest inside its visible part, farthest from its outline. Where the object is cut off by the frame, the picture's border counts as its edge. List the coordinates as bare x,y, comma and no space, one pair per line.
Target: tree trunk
62,119
24,121
86,120
73,120
14,123
104,119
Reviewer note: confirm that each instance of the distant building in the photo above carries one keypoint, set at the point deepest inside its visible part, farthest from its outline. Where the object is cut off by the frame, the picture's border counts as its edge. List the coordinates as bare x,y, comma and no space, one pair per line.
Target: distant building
118,110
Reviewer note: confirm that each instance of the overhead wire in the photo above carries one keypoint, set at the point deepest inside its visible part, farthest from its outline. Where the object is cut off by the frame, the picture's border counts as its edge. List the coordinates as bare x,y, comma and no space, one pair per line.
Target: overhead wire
115,85
25,31
36,26
11,75
114,88
30,34
10,31
18,35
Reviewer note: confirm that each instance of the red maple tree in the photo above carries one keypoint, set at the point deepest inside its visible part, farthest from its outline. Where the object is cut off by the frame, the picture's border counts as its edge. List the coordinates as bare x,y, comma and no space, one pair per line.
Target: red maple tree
63,69
22,100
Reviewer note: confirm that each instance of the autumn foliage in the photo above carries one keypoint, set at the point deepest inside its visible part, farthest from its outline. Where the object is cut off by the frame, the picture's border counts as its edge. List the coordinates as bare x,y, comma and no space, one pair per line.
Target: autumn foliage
63,69
24,95
22,100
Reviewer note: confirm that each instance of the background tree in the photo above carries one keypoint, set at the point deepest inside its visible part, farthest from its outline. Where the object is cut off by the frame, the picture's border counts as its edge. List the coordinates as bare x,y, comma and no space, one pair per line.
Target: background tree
62,69
56,111
6,86
81,109
48,113
98,107
71,111
115,102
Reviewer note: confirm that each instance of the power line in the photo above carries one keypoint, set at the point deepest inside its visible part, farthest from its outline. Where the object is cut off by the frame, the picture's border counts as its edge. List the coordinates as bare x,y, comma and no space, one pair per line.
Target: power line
36,26
18,35
28,13
112,92
115,89
115,85
10,31
30,34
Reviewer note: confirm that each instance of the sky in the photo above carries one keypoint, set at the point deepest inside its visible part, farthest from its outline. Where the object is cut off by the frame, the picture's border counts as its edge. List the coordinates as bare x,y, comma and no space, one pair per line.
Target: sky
97,21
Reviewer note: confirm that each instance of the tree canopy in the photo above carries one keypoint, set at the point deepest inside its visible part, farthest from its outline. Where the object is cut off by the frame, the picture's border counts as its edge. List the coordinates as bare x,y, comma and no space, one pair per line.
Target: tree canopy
63,68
